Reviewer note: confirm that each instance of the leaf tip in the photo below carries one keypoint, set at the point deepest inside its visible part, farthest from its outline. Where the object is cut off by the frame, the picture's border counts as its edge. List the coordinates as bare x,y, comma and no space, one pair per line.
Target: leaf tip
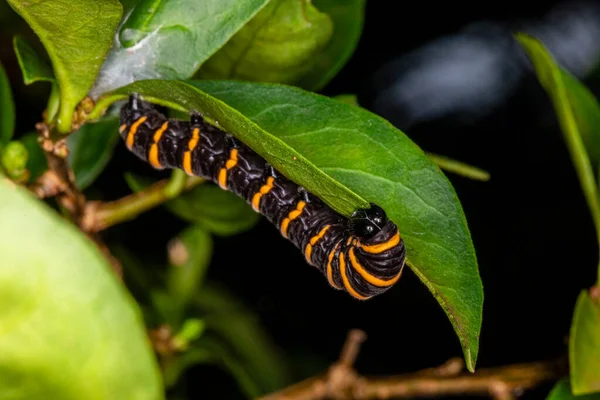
525,38
470,360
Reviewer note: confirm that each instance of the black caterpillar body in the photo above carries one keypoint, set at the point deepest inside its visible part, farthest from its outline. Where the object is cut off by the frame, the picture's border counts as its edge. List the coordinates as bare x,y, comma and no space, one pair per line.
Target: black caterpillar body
363,255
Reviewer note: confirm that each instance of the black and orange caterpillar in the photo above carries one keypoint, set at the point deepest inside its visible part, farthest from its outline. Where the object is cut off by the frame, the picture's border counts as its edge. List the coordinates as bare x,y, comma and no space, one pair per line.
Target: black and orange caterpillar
363,255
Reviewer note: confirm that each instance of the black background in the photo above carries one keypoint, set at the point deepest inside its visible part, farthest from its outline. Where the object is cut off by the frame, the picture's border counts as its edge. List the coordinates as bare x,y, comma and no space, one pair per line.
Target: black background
530,225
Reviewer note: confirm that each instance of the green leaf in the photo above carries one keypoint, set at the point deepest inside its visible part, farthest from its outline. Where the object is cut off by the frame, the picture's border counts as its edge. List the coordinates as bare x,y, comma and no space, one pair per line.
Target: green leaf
344,154
170,40
190,255
221,212
36,160
584,344
71,331
33,67
77,35
91,148
562,391
279,44
348,17
552,79
7,109
241,331
586,111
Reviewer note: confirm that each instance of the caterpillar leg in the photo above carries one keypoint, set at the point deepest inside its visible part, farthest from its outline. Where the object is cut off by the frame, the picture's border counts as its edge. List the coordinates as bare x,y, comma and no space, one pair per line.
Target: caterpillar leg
196,118
232,142
271,171
135,102
304,194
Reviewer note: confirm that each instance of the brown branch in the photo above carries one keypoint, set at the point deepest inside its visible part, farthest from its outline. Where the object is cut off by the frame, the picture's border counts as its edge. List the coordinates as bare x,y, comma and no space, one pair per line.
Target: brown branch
59,180
341,381
91,217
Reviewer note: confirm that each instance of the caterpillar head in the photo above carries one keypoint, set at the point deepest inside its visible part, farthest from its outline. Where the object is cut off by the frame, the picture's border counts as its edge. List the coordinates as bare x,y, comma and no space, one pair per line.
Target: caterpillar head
373,263
367,222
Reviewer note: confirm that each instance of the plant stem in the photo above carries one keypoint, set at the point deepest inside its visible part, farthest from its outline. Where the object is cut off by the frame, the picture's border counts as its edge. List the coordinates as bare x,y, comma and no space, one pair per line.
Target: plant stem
102,104
104,215
459,168
53,103
176,184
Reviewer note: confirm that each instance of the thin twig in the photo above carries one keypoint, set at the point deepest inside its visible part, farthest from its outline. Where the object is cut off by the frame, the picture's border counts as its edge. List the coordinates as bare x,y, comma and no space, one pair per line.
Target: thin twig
351,348
101,215
343,382
459,168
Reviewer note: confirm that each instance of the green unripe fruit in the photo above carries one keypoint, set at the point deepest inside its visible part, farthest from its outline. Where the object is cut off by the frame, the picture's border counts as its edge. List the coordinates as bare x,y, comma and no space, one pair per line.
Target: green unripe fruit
14,159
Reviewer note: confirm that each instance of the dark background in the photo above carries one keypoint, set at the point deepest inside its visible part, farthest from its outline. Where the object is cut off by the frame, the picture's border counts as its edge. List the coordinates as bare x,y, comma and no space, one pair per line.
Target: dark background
532,231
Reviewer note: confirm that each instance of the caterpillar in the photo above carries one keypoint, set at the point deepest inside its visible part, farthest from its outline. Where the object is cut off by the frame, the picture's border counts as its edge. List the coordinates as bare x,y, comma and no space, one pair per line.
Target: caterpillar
363,255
